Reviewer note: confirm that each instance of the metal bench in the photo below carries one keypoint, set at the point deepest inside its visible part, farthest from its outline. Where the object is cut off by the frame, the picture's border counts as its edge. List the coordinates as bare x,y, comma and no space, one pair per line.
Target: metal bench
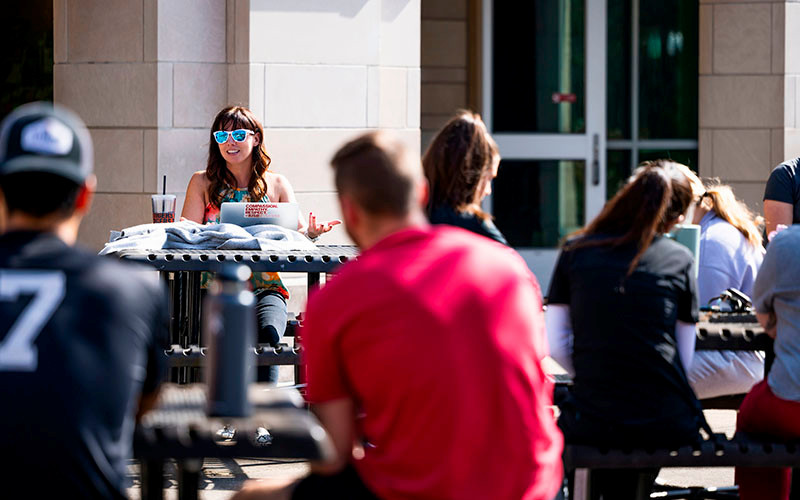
741,450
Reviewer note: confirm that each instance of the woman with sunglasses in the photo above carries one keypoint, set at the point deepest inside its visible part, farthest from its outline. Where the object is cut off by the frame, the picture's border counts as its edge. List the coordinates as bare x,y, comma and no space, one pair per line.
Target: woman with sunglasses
238,171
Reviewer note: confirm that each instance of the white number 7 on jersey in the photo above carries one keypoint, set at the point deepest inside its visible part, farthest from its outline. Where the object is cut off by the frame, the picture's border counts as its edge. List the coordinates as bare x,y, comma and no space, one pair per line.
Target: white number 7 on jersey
17,352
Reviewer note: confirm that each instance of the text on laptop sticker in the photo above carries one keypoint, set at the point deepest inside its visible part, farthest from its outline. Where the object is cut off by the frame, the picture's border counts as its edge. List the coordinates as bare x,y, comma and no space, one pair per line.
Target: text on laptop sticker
255,210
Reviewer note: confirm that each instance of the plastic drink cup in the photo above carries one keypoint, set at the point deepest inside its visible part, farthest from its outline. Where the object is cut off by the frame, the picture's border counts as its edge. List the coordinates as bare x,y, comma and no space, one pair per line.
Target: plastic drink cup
163,208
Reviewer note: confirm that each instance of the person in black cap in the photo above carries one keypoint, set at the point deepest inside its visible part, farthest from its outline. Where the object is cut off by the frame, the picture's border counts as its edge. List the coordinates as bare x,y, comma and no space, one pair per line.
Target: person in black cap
80,335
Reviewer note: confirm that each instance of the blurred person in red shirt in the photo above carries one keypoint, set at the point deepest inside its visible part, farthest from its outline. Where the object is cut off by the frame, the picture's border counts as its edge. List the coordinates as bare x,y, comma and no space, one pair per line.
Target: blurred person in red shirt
425,355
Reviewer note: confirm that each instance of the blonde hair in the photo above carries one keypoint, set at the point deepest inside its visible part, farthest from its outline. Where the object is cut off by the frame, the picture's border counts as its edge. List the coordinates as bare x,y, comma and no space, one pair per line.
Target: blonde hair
720,198
698,188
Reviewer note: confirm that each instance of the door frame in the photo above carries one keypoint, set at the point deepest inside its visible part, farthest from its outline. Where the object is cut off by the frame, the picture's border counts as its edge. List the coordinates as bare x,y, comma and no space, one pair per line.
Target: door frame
589,146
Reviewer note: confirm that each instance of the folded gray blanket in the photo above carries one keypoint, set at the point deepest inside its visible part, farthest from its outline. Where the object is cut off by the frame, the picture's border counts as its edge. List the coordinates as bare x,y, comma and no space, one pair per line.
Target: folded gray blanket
191,235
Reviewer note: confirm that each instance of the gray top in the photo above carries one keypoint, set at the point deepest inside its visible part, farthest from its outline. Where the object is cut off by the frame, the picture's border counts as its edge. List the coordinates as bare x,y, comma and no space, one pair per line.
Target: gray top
777,289
727,259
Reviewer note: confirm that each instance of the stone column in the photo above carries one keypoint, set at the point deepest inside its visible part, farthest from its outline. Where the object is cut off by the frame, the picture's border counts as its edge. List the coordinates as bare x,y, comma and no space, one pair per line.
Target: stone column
445,63
749,64
106,72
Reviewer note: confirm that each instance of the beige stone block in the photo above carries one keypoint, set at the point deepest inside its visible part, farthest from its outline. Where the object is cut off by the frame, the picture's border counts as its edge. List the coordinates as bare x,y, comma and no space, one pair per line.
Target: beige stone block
113,211
791,143
797,102
150,179
239,84
200,91
778,37
742,38
241,39
118,160
181,152
739,101
705,154
414,87
230,31
108,95
105,31
789,100
60,31
315,96
444,43
191,31
308,169
373,95
434,122
257,91
444,75
166,94
321,32
776,154
706,32
741,155
325,206
792,45
751,193
150,30
443,98
445,9
400,33
393,100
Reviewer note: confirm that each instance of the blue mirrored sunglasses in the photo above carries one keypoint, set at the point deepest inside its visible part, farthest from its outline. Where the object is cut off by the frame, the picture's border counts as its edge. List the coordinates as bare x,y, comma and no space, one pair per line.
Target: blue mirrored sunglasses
239,135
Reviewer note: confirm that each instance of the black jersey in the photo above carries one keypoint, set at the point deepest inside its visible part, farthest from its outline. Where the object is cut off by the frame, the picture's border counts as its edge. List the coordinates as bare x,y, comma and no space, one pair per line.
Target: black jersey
81,337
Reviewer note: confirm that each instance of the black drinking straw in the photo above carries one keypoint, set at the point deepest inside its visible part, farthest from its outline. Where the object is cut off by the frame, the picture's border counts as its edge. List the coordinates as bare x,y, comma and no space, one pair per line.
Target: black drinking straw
164,192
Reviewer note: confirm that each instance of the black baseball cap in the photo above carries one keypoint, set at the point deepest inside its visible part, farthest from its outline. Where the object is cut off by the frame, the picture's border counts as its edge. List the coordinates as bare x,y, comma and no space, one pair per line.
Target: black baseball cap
48,138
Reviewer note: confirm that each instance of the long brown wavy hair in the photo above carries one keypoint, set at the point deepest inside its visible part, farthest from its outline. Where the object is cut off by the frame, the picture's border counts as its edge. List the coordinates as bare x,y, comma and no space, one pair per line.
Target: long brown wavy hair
457,162
221,180
654,197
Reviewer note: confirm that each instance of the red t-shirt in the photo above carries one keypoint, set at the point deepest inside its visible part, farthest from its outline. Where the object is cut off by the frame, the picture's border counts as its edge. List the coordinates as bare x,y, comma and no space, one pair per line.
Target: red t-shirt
437,335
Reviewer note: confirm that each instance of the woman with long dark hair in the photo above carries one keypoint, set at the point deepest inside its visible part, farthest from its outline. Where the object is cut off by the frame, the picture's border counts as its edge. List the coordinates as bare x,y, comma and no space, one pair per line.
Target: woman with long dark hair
460,164
238,170
624,296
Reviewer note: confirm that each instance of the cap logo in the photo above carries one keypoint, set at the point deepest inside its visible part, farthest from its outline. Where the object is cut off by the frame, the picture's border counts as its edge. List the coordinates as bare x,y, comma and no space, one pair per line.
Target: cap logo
47,136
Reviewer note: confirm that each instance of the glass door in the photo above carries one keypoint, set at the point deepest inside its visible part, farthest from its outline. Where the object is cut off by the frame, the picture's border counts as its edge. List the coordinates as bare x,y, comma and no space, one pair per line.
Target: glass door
545,104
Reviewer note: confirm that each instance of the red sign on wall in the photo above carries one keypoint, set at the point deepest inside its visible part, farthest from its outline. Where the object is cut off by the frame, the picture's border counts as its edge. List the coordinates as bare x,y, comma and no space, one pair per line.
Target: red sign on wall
558,97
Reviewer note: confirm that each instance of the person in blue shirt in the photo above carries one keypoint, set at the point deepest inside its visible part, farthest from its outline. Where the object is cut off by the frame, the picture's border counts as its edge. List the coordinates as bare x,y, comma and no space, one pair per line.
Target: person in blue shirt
730,256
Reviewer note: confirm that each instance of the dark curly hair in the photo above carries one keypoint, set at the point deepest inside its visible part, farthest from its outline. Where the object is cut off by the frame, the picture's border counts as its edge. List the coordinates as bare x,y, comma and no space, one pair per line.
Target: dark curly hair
220,178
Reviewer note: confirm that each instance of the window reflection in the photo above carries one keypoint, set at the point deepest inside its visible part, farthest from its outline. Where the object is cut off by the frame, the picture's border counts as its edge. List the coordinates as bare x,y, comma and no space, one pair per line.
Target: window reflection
537,203
668,70
538,66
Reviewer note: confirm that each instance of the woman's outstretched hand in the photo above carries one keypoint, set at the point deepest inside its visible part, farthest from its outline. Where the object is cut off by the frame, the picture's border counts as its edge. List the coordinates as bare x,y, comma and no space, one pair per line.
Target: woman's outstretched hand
316,229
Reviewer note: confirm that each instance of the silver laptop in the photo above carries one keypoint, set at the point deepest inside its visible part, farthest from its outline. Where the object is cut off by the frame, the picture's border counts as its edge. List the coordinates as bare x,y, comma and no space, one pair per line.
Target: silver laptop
249,214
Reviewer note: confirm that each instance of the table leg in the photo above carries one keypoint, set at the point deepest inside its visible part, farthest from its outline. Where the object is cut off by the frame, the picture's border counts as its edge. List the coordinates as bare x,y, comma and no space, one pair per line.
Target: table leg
189,478
194,315
152,478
